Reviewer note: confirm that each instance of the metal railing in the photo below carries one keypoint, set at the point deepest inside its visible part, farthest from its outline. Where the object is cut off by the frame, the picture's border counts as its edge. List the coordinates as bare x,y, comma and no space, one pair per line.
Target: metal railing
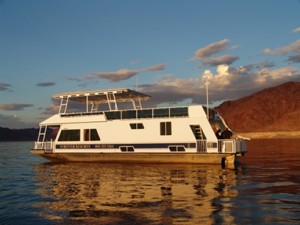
224,146
231,146
47,146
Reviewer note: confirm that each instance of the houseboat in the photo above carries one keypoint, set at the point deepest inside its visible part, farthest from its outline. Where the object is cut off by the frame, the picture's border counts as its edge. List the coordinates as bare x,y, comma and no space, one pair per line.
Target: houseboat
112,126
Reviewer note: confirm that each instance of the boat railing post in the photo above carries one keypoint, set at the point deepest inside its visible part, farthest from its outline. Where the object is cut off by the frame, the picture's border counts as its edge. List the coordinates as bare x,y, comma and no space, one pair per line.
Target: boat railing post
234,145
219,146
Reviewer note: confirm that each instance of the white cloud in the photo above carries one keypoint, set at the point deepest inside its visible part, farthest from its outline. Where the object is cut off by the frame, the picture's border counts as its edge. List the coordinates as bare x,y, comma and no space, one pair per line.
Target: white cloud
211,49
123,74
226,83
14,106
156,67
291,48
296,29
204,54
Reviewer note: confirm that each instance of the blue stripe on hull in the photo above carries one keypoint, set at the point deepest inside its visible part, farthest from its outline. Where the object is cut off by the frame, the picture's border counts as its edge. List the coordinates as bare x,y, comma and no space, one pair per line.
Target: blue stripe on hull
116,146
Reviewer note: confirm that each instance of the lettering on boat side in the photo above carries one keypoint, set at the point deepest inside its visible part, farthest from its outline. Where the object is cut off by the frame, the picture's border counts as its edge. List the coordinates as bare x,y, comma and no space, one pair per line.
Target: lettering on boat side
85,146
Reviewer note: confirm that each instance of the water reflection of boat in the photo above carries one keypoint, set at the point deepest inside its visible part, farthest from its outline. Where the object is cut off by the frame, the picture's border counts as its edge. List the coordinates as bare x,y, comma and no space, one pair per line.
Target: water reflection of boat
102,132
135,194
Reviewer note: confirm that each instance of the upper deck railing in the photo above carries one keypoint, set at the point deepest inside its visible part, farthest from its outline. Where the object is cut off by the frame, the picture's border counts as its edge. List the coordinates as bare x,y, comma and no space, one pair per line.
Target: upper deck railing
92,99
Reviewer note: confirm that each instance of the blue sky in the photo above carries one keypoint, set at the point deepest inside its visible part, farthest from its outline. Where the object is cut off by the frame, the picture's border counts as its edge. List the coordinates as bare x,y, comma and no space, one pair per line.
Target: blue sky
168,46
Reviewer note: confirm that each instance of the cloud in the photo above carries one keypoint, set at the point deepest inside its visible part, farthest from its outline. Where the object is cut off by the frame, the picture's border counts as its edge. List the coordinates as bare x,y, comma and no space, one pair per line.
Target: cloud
123,74
51,110
14,107
294,58
225,83
211,49
204,54
72,79
4,87
156,67
45,84
14,121
296,29
225,59
170,89
291,48
256,66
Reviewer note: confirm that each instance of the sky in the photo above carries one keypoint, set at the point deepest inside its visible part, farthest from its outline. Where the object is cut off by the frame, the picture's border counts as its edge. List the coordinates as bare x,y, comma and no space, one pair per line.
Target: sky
167,49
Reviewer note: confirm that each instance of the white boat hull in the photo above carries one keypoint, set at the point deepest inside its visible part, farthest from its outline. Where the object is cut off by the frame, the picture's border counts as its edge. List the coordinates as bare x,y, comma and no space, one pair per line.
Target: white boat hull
189,158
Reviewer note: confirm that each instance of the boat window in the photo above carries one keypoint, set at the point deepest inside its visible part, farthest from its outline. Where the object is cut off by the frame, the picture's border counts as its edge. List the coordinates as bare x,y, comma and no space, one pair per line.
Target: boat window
180,111
161,112
69,135
137,126
129,114
113,115
127,149
165,128
91,135
177,148
145,113
53,132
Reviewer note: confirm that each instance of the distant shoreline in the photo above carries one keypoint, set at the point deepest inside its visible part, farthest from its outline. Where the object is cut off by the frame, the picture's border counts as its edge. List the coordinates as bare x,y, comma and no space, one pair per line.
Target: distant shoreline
264,135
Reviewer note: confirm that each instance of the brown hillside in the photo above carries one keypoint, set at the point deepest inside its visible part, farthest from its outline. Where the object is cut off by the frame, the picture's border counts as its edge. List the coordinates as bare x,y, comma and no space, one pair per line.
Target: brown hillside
272,109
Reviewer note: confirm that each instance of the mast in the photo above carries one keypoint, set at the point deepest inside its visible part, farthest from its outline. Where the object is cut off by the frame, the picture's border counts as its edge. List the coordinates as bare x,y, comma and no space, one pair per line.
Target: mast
206,87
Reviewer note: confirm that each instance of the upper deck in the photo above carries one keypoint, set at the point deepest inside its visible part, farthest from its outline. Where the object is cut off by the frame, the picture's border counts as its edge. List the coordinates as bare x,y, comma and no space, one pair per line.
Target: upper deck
92,99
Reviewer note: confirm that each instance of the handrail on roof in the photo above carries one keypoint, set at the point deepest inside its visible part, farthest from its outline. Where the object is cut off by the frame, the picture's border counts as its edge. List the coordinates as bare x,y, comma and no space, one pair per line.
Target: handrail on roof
100,96
95,98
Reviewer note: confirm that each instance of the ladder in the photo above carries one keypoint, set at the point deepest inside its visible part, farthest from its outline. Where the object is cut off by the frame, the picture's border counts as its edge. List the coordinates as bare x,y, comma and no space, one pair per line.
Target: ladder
94,107
63,104
137,104
42,133
111,100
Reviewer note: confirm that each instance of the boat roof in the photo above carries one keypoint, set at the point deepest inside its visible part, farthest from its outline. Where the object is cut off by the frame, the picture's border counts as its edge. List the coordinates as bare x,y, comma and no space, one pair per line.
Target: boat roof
102,96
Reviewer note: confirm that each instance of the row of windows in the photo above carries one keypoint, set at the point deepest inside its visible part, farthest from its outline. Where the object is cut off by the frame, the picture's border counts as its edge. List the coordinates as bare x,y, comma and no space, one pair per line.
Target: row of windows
92,134
147,113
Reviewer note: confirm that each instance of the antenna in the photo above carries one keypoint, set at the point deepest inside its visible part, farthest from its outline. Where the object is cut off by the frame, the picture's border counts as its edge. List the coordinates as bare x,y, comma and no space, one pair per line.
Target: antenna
206,85
137,82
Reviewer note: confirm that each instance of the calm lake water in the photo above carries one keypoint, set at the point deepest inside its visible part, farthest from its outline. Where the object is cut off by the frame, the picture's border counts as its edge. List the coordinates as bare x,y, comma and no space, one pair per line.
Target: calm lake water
263,189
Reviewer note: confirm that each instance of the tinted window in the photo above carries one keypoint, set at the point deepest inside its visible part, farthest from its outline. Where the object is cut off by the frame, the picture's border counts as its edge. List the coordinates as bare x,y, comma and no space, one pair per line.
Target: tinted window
113,115
165,128
137,126
69,135
91,135
130,114
182,111
161,112
145,113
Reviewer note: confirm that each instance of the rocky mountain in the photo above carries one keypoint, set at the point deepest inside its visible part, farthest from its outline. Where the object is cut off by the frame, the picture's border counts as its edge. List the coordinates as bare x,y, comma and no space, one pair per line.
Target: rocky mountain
272,109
